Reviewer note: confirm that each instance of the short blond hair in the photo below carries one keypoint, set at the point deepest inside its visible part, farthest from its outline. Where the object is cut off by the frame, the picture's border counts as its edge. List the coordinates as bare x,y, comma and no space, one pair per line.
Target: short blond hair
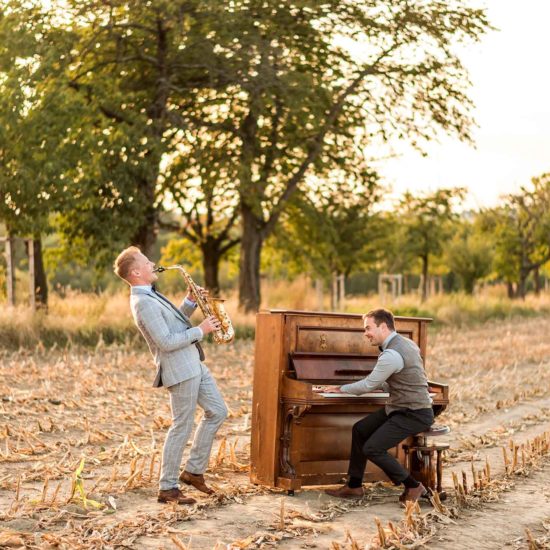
125,261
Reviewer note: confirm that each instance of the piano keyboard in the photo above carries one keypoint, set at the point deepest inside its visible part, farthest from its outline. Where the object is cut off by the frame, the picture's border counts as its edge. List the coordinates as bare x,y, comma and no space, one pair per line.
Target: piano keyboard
369,394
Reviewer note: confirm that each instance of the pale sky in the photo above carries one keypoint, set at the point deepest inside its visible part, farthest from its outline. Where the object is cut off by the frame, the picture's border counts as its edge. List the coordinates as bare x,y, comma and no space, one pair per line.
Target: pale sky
510,73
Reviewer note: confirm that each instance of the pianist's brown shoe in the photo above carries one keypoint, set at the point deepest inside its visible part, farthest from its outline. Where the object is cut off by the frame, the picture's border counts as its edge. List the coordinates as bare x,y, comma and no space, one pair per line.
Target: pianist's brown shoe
174,495
346,492
413,494
197,481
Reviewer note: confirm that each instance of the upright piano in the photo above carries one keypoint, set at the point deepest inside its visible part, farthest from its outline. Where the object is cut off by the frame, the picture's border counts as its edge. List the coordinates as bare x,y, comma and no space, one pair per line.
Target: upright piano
300,437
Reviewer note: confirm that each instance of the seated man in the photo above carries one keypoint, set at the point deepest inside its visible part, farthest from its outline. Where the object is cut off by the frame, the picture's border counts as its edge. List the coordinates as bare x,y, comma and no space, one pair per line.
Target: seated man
399,370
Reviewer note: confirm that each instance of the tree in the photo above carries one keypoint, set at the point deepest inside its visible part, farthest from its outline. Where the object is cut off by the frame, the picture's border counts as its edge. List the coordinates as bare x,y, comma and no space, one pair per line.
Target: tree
469,255
428,225
268,84
131,63
333,230
299,104
202,187
43,135
132,68
31,139
521,229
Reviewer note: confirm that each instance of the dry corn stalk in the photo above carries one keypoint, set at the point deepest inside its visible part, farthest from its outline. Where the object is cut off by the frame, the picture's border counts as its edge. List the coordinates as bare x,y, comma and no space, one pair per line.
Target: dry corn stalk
220,457
179,544
353,543
381,533
506,462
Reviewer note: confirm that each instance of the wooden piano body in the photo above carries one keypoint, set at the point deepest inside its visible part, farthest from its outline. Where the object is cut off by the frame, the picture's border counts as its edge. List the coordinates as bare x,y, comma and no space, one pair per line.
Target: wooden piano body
299,437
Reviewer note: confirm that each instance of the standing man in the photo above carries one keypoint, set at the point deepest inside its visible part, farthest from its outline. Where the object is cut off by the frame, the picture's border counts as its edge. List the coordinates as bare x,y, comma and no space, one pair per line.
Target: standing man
174,344
400,370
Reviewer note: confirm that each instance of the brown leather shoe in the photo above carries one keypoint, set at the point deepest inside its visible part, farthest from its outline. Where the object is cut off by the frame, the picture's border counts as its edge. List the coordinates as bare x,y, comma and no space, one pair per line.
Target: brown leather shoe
346,492
174,495
413,494
197,481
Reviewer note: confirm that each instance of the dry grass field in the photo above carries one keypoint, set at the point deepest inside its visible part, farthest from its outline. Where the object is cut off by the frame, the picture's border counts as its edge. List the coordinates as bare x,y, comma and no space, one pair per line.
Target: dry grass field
81,431
88,319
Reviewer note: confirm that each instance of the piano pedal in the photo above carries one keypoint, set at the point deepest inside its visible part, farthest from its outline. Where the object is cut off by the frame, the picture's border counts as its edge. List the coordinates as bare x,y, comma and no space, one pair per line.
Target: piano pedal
290,492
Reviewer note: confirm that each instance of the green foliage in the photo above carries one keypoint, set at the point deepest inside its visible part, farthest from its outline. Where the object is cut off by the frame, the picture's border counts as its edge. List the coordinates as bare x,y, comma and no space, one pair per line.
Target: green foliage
521,232
56,173
428,223
429,219
179,251
469,255
332,231
29,118
309,107
223,108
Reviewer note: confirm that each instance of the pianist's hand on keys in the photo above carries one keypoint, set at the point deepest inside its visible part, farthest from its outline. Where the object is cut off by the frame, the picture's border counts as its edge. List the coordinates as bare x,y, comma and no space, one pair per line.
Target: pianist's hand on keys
327,389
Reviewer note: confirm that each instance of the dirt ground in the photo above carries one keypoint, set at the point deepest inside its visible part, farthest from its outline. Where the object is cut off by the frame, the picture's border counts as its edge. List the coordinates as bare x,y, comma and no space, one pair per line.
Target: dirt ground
61,406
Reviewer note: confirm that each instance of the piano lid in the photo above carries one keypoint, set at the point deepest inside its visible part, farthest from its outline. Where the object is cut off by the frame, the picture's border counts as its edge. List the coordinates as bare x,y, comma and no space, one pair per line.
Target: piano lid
338,314
331,366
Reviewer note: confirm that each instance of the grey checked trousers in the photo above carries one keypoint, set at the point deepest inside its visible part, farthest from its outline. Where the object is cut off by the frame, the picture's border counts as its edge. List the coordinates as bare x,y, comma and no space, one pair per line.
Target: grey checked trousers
184,397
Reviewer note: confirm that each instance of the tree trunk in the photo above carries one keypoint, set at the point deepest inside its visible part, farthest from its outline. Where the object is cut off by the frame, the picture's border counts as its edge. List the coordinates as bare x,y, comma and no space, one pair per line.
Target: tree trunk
424,278
146,234
211,266
10,269
510,289
249,263
524,271
40,280
536,275
469,284
522,284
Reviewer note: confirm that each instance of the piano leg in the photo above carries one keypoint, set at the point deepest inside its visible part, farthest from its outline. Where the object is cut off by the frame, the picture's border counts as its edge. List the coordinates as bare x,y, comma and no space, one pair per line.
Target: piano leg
292,415
286,467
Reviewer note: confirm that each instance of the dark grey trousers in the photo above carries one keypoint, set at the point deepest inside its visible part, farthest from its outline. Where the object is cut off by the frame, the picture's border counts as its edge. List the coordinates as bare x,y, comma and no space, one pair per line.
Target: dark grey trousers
378,432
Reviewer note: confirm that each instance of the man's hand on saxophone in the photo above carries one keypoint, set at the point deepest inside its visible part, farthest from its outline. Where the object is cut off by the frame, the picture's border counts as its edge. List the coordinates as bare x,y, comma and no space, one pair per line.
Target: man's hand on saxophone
224,333
210,324
191,295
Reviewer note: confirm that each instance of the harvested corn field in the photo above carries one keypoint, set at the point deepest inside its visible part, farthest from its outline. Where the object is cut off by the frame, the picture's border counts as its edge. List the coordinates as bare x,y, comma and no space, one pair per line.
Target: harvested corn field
81,433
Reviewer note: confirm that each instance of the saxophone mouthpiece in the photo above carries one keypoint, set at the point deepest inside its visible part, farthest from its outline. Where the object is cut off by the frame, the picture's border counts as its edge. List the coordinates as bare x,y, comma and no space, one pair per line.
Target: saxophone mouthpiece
159,269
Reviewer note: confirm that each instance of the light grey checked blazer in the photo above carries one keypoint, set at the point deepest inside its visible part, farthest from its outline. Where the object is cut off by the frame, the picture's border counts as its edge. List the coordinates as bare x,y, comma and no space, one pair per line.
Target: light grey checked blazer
169,335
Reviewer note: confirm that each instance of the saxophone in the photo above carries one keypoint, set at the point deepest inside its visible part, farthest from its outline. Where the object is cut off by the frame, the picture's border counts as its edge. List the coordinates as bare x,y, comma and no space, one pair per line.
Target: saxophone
208,306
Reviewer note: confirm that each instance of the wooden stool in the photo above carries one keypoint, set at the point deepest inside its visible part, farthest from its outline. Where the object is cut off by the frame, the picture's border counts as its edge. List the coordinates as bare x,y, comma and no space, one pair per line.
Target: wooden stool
420,455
